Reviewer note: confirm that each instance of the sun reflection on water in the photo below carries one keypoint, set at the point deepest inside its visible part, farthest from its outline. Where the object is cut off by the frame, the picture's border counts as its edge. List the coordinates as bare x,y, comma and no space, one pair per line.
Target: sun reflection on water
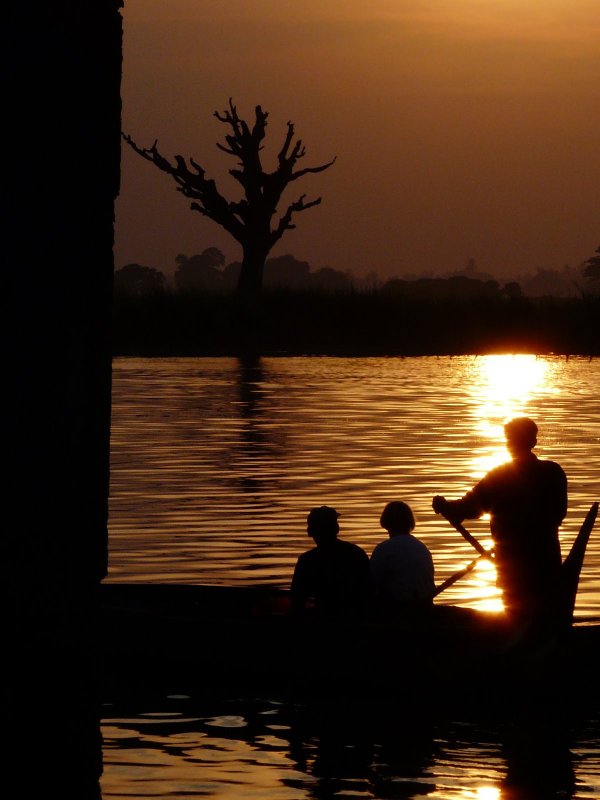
470,793
486,793
502,388
485,585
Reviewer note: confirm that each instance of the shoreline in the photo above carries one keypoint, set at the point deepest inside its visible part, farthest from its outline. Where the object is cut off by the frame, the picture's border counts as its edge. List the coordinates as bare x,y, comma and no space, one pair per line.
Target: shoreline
353,325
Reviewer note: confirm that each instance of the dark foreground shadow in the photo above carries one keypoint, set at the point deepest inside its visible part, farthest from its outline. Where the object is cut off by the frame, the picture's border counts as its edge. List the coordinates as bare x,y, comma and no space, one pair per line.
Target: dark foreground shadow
52,704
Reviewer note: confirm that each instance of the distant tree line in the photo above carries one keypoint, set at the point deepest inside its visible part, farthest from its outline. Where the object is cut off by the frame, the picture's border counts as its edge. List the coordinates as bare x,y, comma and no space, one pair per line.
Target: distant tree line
591,268
208,273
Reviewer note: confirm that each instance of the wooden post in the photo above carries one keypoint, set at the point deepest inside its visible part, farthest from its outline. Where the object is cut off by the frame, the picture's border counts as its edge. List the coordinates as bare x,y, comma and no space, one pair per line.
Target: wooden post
62,115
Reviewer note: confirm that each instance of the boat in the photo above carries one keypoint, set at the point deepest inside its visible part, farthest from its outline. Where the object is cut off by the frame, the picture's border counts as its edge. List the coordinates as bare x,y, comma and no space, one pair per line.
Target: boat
218,639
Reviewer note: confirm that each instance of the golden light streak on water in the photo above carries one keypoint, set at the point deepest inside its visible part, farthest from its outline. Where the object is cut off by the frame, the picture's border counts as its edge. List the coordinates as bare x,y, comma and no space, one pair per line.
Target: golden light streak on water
485,587
488,793
481,793
476,793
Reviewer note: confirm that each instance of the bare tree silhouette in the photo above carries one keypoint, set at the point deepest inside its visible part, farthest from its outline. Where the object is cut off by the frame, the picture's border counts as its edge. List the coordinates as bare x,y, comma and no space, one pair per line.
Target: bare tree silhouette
250,219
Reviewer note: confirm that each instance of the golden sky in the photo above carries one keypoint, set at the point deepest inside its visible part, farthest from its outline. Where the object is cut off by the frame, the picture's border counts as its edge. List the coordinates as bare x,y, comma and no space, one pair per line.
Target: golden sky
463,128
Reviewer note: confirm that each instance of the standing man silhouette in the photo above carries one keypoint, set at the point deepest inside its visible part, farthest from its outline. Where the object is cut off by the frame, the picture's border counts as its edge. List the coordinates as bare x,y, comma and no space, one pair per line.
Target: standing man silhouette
527,501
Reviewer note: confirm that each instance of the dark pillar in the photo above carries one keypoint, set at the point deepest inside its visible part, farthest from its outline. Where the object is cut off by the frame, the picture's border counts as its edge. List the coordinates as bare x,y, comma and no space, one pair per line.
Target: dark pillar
61,168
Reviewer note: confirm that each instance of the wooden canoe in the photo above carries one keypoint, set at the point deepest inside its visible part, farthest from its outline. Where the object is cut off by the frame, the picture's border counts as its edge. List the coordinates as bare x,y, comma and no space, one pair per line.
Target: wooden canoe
237,639
224,639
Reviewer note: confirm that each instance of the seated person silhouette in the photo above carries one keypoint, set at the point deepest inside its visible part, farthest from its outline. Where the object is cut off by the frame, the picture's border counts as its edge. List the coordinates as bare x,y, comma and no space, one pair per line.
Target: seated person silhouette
527,501
401,566
333,578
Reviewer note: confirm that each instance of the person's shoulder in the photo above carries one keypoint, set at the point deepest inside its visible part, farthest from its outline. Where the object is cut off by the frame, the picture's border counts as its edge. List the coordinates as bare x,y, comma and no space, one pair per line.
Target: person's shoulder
552,467
419,544
352,549
381,546
498,472
492,479
381,550
308,556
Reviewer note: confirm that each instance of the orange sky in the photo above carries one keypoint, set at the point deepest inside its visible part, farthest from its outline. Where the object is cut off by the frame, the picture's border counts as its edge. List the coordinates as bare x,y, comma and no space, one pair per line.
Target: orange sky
463,128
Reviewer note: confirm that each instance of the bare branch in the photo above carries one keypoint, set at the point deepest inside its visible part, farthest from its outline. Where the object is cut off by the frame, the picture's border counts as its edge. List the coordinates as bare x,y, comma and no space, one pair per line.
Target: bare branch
260,124
227,150
193,185
238,175
242,139
282,157
287,159
197,167
312,170
285,223
230,117
298,151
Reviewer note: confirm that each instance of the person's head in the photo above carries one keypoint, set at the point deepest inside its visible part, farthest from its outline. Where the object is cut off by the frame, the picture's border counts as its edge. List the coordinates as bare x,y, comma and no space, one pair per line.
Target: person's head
521,436
322,524
397,518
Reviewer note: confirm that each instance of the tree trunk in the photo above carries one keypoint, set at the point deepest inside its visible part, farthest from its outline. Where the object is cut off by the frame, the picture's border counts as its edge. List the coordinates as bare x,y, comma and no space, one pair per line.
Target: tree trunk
251,275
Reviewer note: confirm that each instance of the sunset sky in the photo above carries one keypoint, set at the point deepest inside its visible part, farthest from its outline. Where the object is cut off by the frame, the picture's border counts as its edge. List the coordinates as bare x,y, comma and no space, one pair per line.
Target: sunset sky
462,128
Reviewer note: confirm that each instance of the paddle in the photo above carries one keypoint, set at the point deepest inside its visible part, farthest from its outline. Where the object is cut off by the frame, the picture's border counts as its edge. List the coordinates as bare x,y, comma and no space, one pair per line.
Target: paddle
458,575
483,553
462,530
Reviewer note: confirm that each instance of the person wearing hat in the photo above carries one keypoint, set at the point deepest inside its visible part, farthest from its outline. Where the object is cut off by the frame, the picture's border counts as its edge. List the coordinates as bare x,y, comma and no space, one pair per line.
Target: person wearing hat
401,566
527,502
333,578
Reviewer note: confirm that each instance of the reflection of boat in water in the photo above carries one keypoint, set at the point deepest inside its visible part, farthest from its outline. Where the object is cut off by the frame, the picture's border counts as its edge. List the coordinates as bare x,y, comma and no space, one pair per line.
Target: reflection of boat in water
242,639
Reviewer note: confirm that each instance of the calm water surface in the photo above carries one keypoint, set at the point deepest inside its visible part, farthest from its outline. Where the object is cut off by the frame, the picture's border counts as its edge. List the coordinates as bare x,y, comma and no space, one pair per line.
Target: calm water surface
215,463
214,466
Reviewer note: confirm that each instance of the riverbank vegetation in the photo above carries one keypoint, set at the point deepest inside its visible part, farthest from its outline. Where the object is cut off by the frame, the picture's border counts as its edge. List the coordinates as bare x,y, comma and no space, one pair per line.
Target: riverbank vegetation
402,320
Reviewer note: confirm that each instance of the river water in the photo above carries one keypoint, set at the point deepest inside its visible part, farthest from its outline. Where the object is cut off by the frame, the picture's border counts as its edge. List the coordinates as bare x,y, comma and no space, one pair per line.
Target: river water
215,463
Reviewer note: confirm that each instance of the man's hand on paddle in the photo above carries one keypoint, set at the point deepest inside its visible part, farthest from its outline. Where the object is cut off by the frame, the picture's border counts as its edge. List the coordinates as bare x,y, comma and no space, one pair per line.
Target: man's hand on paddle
442,506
